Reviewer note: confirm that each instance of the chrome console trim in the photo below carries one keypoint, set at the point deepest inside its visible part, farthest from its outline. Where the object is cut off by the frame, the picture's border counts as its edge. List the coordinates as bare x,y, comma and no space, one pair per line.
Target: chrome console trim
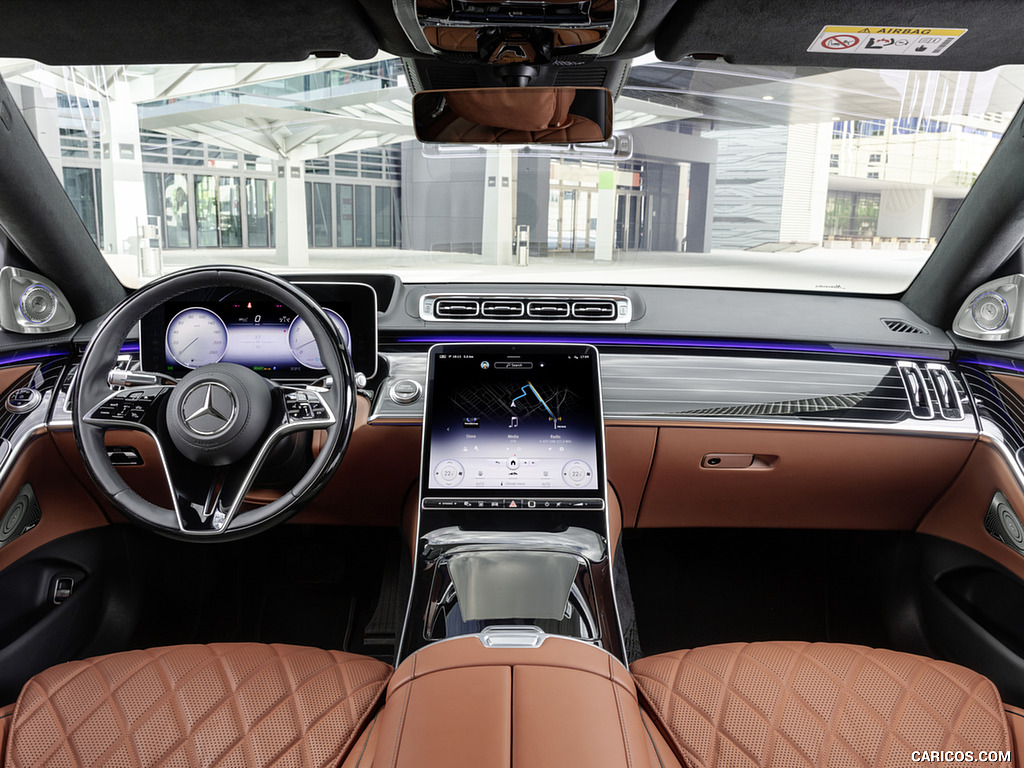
577,541
512,637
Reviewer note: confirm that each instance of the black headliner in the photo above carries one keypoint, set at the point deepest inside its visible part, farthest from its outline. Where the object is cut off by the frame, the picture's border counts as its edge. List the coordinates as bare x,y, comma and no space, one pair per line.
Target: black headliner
780,33
773,32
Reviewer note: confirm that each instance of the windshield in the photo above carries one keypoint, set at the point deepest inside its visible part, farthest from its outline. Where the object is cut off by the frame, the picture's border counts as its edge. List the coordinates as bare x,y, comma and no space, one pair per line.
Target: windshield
783,178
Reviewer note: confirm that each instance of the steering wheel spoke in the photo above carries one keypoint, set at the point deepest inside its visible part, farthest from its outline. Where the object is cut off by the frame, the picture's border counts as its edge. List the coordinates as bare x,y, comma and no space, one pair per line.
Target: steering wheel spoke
207,498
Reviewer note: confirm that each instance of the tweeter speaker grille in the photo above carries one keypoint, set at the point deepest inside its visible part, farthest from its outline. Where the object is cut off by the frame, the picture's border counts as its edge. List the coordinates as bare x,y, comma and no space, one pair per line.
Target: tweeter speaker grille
1002,523
21,516
38,304
989,311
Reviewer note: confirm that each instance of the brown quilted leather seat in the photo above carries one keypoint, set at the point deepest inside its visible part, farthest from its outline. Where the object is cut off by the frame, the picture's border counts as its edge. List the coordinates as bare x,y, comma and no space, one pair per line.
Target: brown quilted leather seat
804,705
231,704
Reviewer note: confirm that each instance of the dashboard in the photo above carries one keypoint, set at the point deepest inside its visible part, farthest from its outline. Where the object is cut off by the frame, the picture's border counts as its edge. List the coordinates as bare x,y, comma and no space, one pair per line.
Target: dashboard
716,410
716,407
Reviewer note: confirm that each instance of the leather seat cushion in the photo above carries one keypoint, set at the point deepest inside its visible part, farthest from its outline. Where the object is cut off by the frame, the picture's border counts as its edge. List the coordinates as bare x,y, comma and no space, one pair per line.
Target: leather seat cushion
799,705
238,704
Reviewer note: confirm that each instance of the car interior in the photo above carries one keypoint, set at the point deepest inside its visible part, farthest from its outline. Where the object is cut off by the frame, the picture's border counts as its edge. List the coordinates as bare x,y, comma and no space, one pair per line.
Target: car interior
566,511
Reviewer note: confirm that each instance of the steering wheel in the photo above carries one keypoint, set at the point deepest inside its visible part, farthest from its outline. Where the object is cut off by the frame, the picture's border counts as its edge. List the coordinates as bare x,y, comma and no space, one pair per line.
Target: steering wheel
216,426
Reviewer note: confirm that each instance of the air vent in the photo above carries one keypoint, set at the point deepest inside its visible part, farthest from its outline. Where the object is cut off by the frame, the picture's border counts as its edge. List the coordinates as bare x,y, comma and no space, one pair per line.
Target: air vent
502,309
944,392
594,310
548,309
917,390
902,326
526,308
451,76
931,391
581,76
456,308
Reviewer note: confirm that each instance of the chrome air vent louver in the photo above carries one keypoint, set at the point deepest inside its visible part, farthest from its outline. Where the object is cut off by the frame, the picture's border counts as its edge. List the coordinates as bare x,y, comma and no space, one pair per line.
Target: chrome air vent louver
525,308
548,309
932,392
502,309
456,309
594,310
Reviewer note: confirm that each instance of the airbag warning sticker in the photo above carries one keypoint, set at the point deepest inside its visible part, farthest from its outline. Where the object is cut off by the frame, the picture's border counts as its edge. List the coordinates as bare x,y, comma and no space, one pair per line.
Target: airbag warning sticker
887,41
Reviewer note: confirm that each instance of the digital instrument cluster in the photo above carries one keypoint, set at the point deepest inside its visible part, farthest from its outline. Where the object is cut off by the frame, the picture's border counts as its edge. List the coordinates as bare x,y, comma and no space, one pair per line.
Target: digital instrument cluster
258,333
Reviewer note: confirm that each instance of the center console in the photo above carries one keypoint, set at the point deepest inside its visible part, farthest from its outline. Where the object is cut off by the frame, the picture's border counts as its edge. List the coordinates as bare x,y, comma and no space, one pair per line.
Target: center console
512,522
511,652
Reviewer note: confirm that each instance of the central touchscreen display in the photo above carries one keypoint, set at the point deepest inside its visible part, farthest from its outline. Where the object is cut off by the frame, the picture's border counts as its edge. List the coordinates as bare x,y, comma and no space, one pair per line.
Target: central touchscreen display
513,421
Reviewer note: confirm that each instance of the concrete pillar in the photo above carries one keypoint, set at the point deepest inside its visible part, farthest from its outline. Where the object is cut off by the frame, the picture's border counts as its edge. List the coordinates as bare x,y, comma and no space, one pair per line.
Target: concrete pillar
604,247
905,212
700,214
124,195
290,214
39,107
496,240
682,206
663,189
805,183
533,182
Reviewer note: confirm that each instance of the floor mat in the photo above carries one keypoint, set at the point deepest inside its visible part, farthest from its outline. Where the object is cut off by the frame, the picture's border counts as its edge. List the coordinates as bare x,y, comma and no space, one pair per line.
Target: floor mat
301,585
694,587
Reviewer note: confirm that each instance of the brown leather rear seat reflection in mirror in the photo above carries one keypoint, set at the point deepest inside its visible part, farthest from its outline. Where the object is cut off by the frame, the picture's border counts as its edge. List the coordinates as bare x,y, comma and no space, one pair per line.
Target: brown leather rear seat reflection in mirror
811,705
513,115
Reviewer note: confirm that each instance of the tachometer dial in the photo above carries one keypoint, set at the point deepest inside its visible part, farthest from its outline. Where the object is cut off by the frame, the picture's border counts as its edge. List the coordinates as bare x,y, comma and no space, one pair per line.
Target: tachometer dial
303,346
195,337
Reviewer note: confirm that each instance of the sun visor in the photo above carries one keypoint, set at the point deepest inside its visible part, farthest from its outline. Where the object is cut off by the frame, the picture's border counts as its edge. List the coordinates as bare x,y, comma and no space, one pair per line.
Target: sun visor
125,32
949,35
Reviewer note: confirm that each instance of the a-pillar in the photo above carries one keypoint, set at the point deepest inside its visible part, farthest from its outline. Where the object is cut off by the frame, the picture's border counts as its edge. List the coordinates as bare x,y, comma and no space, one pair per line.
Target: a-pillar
905,212
496,240
604,245
124,195
290,214
39,107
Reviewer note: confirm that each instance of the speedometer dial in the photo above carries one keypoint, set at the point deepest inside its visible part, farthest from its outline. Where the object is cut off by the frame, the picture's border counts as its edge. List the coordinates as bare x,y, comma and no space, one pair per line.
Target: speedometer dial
303,346
195,337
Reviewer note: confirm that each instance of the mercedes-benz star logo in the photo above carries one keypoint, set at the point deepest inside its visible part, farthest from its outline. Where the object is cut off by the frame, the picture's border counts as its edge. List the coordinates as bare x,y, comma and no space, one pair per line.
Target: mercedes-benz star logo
209,408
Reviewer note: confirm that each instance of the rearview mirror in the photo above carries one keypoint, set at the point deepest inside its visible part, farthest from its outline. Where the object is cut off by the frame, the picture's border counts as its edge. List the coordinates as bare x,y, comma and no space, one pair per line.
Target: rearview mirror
513,115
